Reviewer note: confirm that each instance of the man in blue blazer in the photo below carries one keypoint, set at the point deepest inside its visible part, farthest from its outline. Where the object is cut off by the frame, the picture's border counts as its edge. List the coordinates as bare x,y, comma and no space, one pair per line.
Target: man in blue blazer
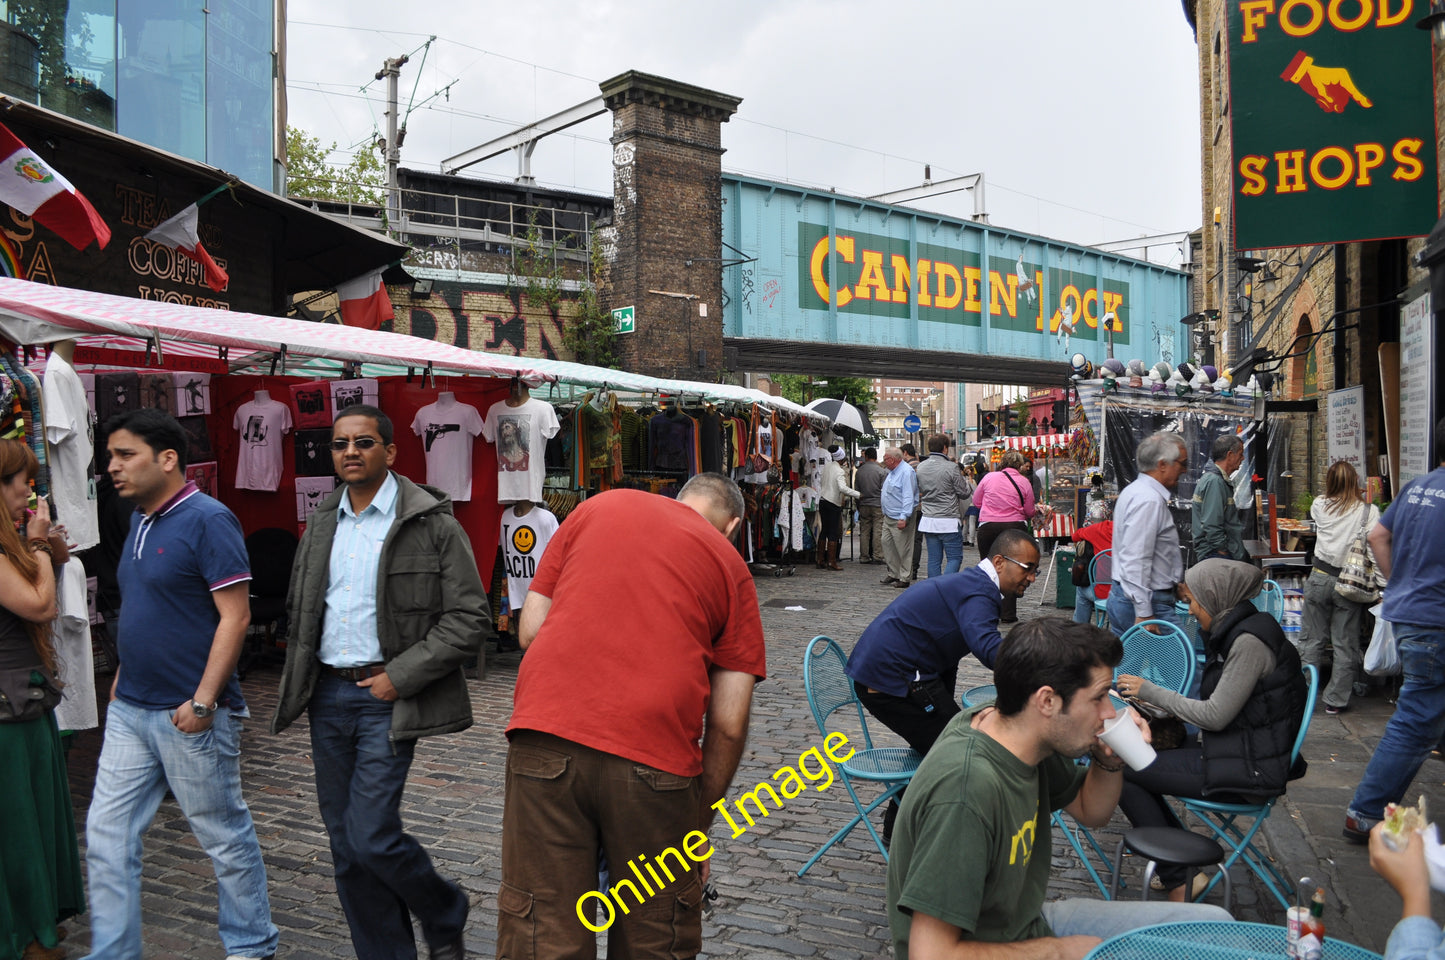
905,666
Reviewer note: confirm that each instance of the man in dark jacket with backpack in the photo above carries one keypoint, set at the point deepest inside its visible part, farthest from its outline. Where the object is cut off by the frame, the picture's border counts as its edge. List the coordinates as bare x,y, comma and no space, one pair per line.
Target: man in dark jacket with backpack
386,607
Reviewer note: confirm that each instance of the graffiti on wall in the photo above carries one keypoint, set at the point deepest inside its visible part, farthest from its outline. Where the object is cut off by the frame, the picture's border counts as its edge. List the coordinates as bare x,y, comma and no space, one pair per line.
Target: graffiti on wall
492,321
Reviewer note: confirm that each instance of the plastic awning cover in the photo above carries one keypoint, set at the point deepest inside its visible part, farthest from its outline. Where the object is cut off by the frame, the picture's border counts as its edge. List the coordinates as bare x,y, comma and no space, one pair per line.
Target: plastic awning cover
39,313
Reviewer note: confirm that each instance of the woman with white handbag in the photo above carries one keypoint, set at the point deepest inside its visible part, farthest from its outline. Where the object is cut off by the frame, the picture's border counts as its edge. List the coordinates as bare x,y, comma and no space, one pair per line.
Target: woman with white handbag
1342,518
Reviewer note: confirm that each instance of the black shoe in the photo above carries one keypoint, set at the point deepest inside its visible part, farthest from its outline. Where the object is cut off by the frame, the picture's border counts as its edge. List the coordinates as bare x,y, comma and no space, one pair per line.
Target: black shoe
451,950
1008,619
887,580
1355,831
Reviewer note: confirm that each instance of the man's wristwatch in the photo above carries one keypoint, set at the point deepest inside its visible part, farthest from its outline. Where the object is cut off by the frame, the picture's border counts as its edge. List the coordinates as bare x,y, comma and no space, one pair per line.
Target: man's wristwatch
201,710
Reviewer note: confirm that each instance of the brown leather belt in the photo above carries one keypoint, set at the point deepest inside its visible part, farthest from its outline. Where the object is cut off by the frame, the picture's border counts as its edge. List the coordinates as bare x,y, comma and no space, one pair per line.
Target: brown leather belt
355,673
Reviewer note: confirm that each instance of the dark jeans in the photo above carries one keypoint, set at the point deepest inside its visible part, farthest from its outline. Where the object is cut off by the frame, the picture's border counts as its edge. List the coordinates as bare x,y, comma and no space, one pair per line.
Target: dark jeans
382,874
987,534
918,718
1174,773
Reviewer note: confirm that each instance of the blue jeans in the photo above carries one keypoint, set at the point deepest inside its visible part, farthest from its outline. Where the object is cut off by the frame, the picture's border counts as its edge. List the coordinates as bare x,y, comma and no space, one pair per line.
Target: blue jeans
383,875
143,753
1122,613
1414,729
1083,604
1109,918
941,545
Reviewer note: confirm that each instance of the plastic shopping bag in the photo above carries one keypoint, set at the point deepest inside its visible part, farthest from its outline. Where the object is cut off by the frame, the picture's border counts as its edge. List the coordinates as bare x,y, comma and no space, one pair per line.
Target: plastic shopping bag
1382,659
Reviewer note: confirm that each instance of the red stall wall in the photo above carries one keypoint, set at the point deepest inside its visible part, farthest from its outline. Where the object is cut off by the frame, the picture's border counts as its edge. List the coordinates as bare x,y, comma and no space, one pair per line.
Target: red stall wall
480,517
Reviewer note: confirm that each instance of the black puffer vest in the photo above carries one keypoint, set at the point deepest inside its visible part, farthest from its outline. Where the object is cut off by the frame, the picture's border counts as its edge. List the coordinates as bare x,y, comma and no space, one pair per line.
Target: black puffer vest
1251,756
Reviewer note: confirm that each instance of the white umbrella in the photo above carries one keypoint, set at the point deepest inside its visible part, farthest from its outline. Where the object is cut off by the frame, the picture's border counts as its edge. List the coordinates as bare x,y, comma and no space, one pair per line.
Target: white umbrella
843,414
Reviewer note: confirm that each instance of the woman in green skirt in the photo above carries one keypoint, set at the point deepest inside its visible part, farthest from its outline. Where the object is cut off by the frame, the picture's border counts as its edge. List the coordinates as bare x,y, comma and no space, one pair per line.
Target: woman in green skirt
40,882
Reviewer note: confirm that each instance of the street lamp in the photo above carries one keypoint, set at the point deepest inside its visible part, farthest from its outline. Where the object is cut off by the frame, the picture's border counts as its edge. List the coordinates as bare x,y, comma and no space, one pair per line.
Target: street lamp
1432,256
1434,20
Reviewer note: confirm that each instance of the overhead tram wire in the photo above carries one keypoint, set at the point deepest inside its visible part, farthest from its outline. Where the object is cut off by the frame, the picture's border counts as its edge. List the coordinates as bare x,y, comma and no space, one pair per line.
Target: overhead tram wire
787,131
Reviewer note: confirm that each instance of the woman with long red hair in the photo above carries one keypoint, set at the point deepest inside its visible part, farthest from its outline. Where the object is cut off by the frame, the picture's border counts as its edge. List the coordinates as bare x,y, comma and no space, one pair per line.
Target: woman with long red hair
40,882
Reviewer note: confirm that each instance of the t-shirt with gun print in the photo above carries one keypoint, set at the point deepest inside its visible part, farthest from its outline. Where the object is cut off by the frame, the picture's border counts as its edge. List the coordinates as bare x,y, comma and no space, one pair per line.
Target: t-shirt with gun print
447,431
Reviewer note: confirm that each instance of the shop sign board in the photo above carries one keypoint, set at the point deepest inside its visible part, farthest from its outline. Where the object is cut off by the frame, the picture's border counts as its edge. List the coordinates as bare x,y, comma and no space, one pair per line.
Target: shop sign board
624,320
1333,121
1417,390
1345,416
825,268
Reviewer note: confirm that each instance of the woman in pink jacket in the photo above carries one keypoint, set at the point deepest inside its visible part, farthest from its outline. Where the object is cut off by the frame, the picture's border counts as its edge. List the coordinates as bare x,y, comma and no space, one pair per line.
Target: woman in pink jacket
1005,501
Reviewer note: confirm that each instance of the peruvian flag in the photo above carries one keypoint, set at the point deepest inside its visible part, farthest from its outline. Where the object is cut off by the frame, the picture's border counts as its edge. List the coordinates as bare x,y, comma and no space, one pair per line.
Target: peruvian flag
37,189
364,302
180,233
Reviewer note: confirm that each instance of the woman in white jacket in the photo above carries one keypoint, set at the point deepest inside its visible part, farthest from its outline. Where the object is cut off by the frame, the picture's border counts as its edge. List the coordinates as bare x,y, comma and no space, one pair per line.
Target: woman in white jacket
1340,516
832,487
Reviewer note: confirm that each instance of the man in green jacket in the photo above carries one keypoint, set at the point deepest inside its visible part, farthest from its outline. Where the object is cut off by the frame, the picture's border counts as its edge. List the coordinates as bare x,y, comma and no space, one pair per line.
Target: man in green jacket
386,607
1217,526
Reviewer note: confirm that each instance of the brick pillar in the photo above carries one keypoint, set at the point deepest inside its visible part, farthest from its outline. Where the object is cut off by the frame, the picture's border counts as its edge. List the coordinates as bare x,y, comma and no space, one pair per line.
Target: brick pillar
667,223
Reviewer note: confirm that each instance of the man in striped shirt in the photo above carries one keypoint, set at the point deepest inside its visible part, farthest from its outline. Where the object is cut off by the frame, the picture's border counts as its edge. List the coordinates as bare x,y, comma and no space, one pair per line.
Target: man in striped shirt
175,704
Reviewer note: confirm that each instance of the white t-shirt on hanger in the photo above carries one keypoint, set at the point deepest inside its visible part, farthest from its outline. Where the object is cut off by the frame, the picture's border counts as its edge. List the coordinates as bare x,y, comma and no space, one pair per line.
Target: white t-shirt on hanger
262,423
447,430
524,539
72,442
521,435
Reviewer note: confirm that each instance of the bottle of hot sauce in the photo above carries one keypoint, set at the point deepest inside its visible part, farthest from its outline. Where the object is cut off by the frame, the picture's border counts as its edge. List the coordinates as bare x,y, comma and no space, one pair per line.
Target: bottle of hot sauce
1312,931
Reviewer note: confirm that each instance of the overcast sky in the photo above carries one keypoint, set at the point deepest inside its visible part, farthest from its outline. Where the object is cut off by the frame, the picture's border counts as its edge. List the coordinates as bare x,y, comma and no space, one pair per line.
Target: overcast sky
1082,114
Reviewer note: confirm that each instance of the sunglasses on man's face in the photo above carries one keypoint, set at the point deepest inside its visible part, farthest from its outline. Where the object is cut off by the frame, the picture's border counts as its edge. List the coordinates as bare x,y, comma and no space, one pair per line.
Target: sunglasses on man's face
361,443
1032,568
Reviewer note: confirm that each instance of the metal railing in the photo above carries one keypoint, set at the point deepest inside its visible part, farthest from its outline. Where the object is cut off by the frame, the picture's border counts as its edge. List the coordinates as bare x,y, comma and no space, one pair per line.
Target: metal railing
466,224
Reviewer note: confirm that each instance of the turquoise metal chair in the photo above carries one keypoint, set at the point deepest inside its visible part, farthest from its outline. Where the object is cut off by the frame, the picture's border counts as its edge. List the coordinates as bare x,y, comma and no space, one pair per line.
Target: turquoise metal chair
829,690
1101,570
1221,817
977,696
1271,600
1167,659
1159,651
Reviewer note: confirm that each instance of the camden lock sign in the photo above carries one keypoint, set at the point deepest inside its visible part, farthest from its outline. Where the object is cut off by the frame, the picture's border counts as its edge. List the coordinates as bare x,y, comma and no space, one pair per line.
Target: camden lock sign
1332,106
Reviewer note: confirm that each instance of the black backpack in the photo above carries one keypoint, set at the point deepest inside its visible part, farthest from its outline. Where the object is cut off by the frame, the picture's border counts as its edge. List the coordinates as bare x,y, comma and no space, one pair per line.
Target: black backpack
1079,572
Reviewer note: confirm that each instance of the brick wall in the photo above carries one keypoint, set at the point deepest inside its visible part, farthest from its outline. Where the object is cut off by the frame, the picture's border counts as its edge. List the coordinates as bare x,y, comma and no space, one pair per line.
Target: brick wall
664,249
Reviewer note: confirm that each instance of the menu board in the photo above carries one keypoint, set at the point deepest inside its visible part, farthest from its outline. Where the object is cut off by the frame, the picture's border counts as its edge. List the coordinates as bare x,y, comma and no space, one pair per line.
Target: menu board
1417,381
1346,430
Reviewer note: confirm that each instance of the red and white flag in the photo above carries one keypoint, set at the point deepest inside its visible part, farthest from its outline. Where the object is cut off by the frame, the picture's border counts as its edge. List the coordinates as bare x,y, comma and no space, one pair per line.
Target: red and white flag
364,302
180,233
37,189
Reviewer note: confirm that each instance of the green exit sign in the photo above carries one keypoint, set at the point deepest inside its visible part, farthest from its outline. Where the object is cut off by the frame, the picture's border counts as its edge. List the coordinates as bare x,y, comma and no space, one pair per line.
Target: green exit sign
624,320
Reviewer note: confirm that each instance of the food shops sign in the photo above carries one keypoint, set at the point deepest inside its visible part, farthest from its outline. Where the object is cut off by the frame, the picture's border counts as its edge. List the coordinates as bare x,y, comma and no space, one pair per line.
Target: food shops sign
1333,121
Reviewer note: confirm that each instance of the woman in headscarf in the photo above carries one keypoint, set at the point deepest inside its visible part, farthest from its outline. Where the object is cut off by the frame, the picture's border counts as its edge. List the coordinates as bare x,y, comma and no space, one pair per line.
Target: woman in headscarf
1253,699
40,881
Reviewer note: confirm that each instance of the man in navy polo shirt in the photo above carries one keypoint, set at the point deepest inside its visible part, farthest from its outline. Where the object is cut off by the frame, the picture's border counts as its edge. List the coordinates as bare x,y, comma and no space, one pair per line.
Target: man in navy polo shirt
905,666
175,703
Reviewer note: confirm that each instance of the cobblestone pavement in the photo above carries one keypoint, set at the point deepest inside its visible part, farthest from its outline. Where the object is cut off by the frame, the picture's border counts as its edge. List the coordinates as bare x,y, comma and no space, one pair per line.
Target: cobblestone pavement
454,806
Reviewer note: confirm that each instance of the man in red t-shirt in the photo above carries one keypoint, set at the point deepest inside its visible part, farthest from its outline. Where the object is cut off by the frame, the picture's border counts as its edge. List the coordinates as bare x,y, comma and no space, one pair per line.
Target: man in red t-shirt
642,620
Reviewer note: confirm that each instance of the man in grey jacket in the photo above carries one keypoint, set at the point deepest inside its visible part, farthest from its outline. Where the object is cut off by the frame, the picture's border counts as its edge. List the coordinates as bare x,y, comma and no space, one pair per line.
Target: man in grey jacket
1217,527
940,487
869,481
386,607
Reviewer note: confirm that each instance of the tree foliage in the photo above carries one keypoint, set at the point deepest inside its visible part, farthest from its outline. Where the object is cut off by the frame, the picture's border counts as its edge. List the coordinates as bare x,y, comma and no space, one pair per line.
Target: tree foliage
804,388
310,172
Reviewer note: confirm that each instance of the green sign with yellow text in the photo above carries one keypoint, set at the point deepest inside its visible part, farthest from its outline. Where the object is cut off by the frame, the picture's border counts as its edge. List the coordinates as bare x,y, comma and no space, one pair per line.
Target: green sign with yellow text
881,276
1332,110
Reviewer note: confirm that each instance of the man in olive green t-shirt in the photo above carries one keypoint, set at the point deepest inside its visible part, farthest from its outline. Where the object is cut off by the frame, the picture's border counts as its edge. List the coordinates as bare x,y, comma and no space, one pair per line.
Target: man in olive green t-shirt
962,869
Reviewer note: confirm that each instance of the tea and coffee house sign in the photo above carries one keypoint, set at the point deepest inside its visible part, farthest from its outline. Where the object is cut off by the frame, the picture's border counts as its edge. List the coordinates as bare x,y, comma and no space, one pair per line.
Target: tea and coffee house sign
1333,120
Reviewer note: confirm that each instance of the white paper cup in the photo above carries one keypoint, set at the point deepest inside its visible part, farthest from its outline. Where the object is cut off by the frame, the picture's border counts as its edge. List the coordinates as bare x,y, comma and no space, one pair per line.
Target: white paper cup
1127,740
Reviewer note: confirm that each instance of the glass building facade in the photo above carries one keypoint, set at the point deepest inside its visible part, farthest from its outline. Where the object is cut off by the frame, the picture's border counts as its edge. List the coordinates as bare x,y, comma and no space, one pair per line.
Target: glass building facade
194,77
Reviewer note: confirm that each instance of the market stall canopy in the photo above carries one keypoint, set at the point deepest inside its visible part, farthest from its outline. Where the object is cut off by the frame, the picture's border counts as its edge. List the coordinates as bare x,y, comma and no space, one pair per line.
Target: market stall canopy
314,251
583,375
39,313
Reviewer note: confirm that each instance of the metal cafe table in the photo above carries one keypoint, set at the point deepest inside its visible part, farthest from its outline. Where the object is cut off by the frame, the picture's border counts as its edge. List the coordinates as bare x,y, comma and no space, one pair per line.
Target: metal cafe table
1214,941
